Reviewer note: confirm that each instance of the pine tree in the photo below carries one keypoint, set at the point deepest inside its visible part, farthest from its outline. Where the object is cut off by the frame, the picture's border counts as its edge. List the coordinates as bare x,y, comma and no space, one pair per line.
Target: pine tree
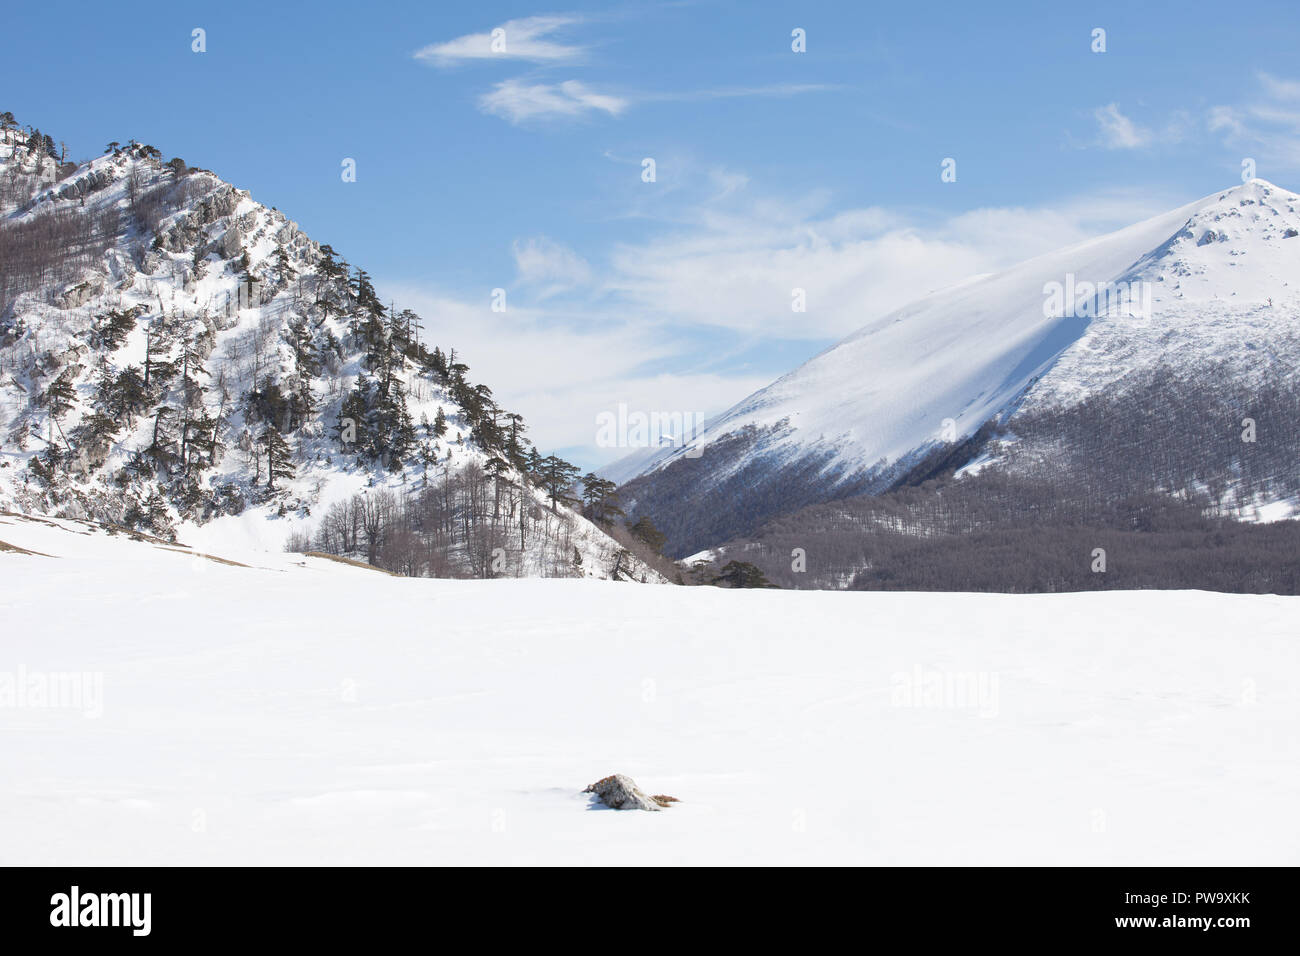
60,396
557,476
439,423
533,465
352,417
279,456
599,496
428,459
413,326
364,292
96,430
742,574
651,536
514,440
122,395
192,392
157,515
112,329
157,371
203,439
438,365
160,450
328,265
283,267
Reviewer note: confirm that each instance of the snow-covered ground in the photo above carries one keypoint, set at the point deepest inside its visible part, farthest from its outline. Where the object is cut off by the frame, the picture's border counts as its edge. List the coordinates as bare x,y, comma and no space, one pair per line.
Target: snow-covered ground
300,710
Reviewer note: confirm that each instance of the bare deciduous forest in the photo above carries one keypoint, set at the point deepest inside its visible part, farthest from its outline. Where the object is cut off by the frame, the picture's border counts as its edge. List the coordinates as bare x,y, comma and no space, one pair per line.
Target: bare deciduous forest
1162,473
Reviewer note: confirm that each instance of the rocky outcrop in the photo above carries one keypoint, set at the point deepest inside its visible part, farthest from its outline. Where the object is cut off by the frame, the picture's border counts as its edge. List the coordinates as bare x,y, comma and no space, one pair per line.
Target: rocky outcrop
93,181
620,792
78,294
189,230
230,243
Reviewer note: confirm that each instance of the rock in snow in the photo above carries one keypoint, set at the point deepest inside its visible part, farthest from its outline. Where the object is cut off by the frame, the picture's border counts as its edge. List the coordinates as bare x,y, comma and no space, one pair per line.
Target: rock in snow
620,792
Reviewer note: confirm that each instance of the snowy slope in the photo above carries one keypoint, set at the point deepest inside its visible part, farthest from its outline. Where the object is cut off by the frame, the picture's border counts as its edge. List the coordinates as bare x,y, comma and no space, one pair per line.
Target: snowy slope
301,711
965,354
176,250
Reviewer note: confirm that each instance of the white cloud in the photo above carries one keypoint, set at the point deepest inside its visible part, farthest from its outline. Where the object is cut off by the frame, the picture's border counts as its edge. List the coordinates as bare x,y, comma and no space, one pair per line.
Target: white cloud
1278,88
1266,129
520,102
734,262
549,266
629,327
1118,131
593,362
523,39
1225,119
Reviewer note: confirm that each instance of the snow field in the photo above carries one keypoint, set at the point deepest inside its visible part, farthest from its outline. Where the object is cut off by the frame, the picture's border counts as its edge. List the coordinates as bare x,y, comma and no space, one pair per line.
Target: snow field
306,711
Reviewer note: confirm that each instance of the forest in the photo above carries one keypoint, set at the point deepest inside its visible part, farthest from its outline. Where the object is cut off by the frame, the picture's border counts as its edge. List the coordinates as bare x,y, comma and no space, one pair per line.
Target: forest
1154,483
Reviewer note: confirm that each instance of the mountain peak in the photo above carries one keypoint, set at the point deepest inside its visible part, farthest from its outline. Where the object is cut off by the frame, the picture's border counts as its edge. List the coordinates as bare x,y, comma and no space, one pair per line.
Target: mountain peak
178,358
1205,284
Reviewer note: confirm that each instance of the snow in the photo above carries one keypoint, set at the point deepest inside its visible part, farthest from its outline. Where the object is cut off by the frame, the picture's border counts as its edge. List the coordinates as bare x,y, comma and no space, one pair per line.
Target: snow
1283,510
708,554
303,711
248,346
635,463
937,369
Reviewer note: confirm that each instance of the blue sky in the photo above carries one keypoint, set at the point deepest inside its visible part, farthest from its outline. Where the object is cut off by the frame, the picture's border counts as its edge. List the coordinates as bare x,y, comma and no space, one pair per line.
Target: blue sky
522,169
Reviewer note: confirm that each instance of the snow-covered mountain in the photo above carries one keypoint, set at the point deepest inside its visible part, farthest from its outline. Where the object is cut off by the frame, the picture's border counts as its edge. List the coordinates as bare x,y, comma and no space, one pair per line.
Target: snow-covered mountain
1216,281
180,359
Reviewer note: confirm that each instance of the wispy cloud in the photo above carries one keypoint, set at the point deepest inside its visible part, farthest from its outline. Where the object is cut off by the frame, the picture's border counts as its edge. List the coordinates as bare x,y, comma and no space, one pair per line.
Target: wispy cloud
533,39
1267,128
1118,131
679,319
524,39
549,266
1264,127
594,360
519,102
736,264
1278,88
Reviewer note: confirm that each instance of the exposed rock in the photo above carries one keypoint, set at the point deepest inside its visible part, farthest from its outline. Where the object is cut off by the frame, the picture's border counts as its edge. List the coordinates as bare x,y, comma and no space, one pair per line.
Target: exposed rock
93,181
78,294
120,267
230,243
620,792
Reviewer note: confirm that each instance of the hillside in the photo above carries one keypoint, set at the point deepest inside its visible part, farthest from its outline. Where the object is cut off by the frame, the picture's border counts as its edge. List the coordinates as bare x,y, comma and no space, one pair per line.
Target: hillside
1184,304
177,358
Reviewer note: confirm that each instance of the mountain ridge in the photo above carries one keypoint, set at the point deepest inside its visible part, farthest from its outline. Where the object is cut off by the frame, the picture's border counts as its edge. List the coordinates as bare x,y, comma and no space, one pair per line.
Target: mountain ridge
857,417
178,358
